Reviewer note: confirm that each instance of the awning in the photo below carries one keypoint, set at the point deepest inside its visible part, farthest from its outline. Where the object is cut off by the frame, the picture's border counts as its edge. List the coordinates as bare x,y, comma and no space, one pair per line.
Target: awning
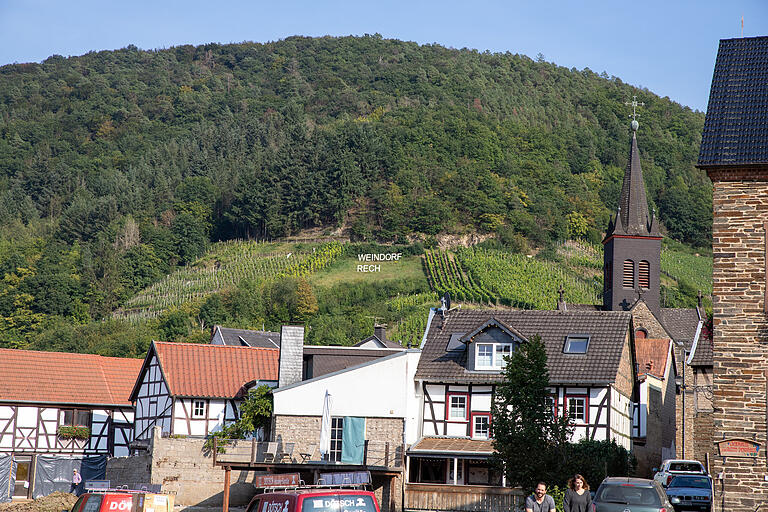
452,447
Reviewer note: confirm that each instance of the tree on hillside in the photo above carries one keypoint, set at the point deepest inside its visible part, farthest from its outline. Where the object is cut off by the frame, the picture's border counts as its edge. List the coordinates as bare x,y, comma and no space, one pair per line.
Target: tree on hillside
306,302
530,440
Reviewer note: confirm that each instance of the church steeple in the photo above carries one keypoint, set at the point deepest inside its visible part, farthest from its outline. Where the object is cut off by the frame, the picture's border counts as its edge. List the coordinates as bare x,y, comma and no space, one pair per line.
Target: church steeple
633,204
632,244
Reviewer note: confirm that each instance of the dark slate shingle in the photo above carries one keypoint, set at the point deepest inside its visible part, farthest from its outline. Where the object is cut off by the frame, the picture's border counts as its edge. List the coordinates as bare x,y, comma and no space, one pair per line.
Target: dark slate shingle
736,126
607,330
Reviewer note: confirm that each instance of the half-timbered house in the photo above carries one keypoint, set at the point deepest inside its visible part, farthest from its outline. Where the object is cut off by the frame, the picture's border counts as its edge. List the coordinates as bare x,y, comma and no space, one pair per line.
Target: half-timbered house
591,366
63,404
192,390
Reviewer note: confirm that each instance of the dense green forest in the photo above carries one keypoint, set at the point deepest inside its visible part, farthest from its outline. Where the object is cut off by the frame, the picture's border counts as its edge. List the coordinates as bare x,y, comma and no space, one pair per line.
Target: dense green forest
118,166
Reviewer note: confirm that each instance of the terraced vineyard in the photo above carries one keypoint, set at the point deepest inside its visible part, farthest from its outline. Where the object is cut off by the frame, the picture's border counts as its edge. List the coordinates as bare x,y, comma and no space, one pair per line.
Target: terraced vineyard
224,266
496,277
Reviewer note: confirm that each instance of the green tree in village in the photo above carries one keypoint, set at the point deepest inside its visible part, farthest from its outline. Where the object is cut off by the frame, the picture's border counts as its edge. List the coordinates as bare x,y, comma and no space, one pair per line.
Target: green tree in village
255,415
530,440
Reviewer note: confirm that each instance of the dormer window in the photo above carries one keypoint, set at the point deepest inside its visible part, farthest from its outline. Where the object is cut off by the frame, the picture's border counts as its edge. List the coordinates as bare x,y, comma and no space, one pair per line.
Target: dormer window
490,356
576,344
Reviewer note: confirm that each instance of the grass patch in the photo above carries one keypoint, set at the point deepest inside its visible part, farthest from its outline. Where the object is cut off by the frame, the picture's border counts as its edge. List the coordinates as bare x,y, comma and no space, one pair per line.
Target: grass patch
344,270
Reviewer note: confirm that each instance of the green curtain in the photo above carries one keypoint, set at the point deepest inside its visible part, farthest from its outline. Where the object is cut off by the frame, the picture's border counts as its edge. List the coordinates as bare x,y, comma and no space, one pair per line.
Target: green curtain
353,440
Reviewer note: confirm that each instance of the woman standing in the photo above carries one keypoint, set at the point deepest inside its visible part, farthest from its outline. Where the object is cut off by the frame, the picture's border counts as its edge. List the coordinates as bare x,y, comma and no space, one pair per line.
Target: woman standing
577,497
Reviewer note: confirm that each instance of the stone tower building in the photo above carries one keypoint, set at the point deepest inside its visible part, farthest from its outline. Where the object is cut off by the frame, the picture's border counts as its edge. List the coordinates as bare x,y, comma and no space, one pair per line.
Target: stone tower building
734,152
632,245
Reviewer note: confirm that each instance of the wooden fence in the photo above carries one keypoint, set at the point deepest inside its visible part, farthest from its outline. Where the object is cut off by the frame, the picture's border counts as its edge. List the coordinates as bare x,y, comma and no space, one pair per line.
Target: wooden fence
449,498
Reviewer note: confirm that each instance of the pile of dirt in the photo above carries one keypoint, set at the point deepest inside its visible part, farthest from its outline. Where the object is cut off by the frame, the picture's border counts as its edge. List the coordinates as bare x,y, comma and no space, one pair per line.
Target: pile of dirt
54,502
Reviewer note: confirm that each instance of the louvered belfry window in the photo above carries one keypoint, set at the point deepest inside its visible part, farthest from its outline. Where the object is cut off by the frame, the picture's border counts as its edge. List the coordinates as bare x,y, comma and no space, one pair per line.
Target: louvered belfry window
628,280
644,274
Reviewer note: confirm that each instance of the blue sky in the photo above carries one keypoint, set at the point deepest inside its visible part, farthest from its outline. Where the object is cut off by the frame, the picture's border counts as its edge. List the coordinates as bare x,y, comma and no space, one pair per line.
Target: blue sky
667,46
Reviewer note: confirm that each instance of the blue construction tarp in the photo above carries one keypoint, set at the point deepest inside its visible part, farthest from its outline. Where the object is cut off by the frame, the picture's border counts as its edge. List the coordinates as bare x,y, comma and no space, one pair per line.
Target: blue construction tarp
6,465
54,473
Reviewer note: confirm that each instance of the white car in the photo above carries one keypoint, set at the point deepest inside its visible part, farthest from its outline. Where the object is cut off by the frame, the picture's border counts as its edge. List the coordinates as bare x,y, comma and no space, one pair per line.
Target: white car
670,468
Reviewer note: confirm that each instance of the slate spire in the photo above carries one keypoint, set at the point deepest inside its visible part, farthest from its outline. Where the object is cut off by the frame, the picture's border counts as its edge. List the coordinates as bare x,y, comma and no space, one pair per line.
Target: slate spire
632,216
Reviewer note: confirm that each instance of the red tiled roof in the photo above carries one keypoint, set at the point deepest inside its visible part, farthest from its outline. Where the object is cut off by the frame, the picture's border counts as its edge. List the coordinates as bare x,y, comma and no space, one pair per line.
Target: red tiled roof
651,355
216,371
65,378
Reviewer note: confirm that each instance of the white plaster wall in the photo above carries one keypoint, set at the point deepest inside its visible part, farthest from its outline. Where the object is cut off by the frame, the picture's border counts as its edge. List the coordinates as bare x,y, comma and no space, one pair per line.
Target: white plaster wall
6,438
27,417
383,388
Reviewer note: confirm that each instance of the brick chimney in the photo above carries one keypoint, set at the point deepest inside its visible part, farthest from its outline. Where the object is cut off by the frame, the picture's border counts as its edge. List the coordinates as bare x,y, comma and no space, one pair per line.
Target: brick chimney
291,354
380,331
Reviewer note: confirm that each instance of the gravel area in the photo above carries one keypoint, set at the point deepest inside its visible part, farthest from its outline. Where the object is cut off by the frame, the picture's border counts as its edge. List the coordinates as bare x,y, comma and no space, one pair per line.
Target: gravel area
54,502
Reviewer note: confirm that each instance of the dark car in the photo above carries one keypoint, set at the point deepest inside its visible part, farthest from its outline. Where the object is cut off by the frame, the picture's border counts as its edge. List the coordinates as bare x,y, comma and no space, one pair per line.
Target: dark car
619,494
690,492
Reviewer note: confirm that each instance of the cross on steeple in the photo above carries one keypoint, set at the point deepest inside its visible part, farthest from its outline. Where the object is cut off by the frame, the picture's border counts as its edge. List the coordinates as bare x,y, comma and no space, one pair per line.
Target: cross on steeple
634,104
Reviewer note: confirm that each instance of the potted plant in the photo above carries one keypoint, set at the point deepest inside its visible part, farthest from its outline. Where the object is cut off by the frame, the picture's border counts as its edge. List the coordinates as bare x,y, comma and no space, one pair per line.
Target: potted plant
74,432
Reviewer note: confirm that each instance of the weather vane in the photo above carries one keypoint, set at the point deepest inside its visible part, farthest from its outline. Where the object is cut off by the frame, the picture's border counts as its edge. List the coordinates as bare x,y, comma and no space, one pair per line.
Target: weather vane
634,104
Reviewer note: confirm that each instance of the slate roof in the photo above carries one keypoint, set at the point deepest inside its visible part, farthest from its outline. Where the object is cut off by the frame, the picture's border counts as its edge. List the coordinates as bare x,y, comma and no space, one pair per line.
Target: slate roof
248,338
452,445
607,330
681,324
64,378
386,343
321,360
212,371
632,217
652,355
702,355
736,125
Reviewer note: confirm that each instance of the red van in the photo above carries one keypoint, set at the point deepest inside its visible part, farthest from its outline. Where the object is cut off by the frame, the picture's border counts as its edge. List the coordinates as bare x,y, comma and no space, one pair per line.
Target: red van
104,502
314,500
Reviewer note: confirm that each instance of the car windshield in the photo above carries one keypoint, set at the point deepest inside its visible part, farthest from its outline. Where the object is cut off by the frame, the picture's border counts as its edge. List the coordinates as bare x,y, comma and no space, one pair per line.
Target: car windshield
628,494
686,466
698,482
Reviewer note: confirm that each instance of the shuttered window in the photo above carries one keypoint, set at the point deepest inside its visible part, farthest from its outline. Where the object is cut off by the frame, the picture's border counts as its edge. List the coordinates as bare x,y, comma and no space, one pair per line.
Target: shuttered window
628,280
644,274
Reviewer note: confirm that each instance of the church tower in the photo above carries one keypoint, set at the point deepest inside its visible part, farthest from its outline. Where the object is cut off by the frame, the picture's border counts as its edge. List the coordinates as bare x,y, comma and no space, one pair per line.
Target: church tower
632,245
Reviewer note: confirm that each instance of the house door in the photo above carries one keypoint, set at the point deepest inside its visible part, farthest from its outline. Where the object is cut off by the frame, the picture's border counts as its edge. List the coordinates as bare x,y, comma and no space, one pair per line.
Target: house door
23,475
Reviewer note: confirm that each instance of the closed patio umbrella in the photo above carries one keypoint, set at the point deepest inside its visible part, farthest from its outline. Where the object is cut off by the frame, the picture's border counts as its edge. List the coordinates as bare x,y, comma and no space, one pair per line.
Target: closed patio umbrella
325,426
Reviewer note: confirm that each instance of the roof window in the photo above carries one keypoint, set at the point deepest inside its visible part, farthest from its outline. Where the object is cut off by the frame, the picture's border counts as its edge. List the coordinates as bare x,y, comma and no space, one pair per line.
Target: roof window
576,344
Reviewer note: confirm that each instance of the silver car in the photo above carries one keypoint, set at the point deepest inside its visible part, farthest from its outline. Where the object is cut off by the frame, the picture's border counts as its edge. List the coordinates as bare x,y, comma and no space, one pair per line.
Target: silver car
690,492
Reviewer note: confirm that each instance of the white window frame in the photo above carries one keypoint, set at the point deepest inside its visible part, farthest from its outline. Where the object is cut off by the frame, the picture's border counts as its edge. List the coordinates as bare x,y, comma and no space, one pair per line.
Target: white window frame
196,412
585,406
475,433
450,407
577,338
497,353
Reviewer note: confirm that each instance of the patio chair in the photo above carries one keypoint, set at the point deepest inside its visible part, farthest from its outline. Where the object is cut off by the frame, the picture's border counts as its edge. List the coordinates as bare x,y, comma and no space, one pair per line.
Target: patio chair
271,452
286,451
309,453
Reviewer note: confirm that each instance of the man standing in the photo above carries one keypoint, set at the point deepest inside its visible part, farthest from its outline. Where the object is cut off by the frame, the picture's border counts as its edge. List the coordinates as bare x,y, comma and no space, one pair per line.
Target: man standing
540,501
76,479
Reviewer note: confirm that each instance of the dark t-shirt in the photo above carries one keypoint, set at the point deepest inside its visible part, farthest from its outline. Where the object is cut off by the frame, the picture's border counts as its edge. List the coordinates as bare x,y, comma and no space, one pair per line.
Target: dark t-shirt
572,502
546,504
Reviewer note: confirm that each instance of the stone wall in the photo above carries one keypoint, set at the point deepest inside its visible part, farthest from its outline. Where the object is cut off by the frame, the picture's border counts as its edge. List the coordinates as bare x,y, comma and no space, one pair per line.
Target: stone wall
181,466
740,326
304,431
686,406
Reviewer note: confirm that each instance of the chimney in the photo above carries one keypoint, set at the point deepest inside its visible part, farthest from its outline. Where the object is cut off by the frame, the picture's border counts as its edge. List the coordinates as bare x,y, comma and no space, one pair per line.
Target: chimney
291,354
380,331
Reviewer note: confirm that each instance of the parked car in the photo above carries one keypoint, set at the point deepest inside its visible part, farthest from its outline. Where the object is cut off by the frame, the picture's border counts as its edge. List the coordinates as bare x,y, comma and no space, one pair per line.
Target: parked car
118,500
314,500
618,494
690,492
670,468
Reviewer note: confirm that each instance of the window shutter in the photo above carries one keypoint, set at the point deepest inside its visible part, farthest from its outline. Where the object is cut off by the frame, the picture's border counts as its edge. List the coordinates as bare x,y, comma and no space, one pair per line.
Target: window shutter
644,274
628,280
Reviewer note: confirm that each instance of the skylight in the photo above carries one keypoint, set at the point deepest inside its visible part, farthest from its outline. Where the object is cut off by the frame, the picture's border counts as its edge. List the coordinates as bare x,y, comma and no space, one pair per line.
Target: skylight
576,344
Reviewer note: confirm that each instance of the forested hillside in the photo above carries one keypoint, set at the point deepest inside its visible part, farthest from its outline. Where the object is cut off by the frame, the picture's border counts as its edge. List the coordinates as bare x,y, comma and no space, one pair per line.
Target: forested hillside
117,166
